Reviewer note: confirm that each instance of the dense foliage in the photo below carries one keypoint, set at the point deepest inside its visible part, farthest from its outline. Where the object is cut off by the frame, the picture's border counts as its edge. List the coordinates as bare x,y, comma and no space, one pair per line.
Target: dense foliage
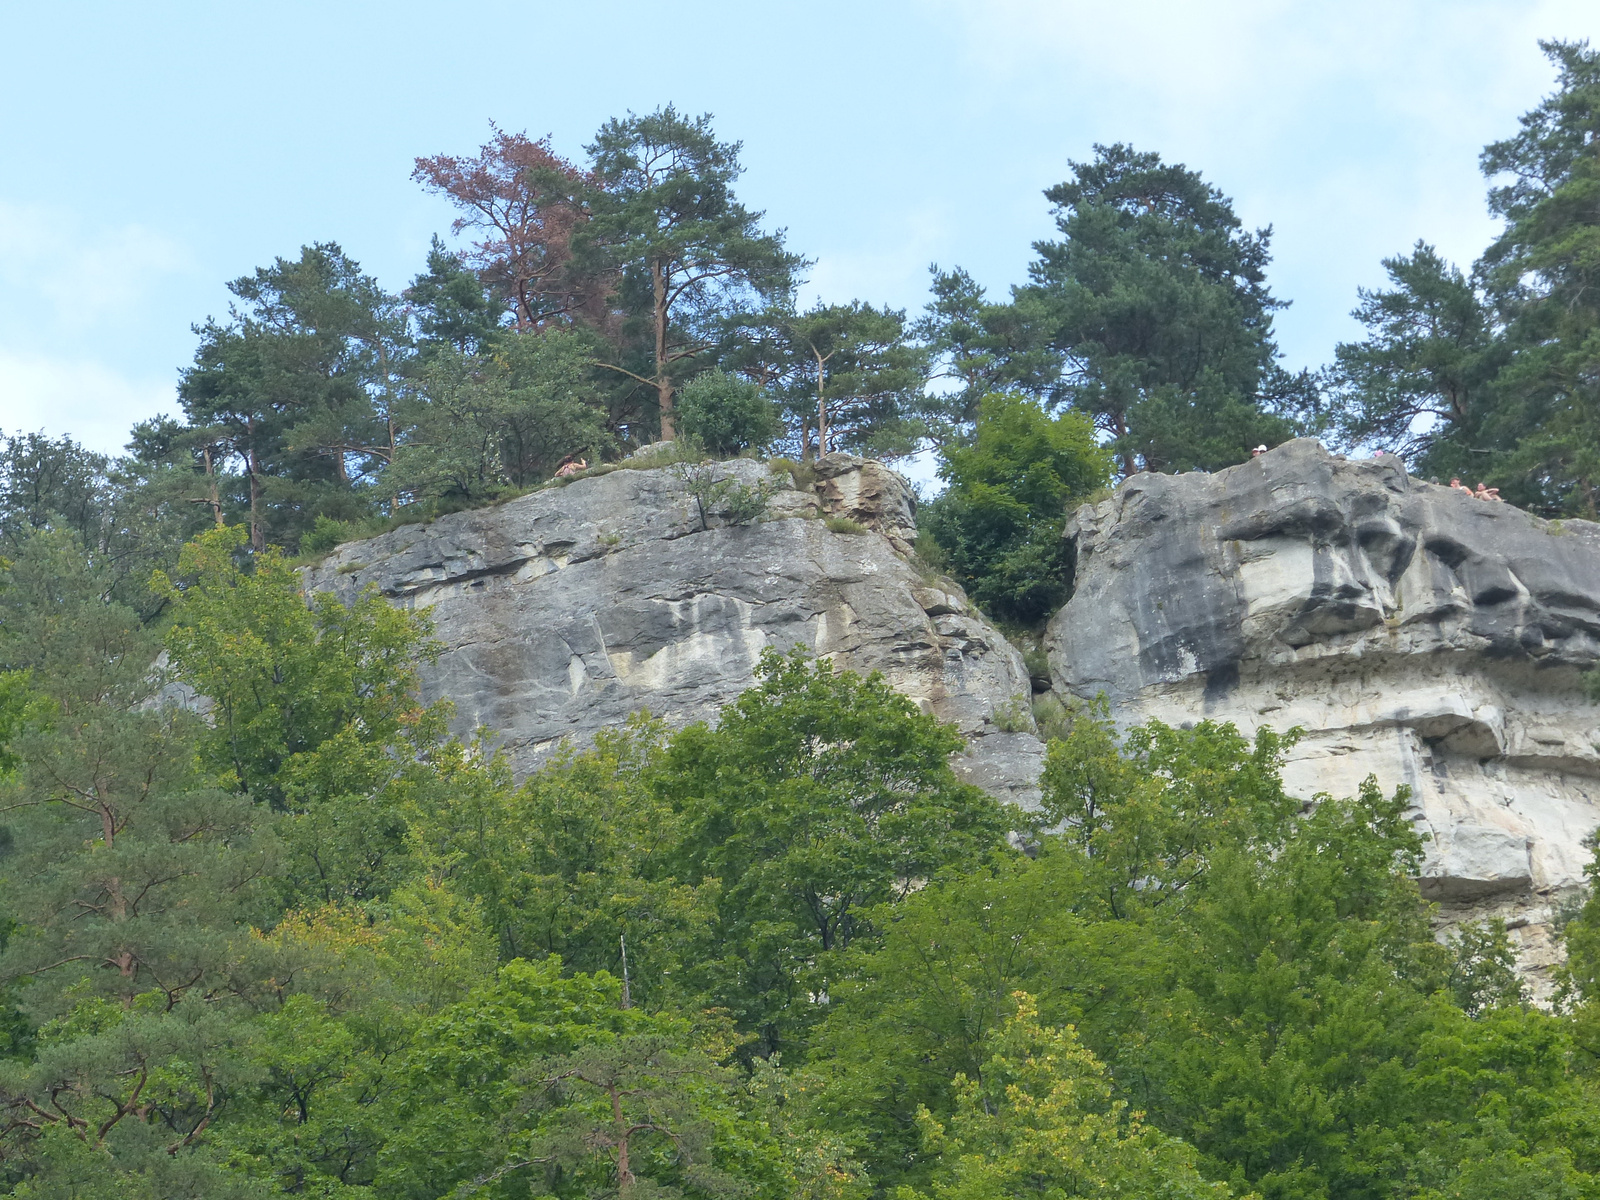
1150,315
589,309
305,942
998,525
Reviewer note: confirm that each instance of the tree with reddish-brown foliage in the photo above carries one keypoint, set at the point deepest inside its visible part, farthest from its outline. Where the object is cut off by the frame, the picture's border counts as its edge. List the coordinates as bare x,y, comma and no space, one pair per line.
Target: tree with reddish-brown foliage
524,202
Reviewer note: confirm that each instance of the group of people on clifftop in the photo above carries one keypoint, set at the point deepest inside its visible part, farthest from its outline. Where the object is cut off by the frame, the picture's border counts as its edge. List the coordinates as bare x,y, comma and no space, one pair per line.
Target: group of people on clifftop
1483,492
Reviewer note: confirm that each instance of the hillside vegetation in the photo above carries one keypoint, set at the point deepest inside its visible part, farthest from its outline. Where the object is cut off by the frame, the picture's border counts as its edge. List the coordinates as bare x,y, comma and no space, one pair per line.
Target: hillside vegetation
310,944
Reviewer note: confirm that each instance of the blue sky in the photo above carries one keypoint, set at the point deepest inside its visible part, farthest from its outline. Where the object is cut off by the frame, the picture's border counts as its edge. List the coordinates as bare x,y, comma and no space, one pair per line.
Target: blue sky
149,153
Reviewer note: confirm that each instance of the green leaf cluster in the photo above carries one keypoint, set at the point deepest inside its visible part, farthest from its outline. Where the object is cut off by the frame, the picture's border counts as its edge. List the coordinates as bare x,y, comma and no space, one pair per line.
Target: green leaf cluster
1258,980
998,526
819,797
482,425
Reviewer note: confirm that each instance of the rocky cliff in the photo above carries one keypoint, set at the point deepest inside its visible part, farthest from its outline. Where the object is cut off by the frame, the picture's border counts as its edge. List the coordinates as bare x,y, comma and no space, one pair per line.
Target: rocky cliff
1418,634
568,609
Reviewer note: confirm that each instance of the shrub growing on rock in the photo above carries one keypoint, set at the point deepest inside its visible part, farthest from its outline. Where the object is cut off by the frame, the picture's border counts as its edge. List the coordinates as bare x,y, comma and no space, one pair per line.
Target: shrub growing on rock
726,414
999,524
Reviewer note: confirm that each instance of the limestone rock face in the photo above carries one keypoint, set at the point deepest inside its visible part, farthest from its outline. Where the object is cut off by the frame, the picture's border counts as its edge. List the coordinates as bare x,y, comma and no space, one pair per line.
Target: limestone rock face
566,610
1417,634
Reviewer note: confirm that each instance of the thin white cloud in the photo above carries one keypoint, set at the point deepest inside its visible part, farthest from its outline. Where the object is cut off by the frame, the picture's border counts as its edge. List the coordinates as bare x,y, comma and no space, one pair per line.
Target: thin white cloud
56,269
878,268
93,403
72,295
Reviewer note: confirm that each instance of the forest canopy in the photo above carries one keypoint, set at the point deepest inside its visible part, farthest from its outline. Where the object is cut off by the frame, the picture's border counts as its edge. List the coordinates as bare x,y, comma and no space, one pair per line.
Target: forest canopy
581,310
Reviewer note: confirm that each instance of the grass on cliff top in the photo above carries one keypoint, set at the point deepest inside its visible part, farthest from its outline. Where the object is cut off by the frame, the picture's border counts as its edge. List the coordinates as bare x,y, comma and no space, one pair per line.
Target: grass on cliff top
327,534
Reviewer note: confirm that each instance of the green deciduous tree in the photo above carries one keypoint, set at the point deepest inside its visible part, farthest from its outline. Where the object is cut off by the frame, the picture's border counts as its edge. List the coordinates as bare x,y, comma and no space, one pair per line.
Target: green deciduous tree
999,524
1149,812
910,1016
314,707
467,1074
818,796
1041,1120
571,863
285,673
1260,980
727,414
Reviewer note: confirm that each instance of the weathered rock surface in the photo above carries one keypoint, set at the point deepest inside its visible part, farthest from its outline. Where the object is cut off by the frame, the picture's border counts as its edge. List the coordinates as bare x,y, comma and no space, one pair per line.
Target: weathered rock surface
1417,634
566,610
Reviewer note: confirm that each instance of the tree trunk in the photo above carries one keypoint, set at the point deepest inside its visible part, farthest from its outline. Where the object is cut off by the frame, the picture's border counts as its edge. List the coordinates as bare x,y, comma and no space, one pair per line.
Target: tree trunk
211,479
1128,467
822,404
394,500
627,993
625,1180
258,541
658,288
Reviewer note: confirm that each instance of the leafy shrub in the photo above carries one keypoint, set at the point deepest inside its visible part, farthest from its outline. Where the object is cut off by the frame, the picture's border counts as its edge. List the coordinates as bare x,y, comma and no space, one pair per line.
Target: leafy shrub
324,534
726,414
1000,522
745,504
1052,715
739,504
1014,716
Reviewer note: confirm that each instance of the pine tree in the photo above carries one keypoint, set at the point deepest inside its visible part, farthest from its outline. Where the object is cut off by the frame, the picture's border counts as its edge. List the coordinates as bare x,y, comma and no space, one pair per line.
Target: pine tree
1155,298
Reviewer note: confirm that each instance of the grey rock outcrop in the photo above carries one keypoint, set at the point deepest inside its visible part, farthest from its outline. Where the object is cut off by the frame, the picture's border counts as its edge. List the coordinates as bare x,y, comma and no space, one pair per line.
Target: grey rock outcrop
1417,634
566,610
